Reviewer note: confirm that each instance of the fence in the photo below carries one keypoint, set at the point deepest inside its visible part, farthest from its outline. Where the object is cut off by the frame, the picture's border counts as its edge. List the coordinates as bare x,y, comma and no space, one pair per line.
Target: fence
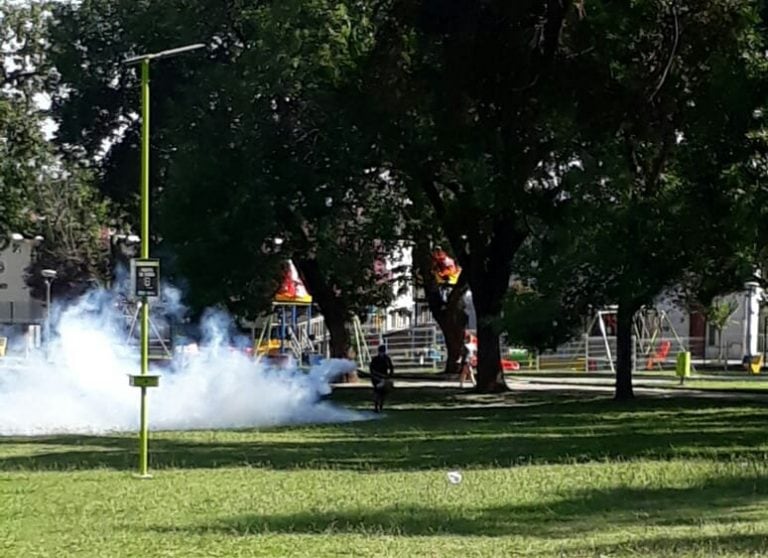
420,347
598,354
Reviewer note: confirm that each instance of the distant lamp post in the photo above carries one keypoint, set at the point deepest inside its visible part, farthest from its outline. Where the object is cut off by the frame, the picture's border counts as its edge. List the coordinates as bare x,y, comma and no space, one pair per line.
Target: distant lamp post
48,276
144,380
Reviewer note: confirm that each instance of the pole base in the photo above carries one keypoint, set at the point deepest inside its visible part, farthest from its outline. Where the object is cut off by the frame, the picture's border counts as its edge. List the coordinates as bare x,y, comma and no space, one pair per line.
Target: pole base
140,476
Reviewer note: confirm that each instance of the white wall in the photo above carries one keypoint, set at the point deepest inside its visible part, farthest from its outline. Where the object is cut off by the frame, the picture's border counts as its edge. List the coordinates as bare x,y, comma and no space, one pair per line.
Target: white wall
733,333
401,263
16,302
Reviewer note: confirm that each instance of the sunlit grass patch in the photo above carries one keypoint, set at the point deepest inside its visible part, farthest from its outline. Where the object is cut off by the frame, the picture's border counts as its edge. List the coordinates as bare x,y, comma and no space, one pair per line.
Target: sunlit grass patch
542,476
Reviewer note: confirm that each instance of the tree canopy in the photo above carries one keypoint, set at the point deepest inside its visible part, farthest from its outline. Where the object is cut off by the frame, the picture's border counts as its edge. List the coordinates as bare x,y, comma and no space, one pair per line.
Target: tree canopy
40,193
586,152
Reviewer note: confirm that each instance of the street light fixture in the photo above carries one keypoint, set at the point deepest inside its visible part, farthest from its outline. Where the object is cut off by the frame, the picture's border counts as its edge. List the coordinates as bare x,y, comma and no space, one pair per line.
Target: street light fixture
141,58
145,380
48,276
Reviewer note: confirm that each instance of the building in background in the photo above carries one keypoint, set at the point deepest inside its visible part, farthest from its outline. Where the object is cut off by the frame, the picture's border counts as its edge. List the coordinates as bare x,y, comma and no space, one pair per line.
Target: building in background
21,315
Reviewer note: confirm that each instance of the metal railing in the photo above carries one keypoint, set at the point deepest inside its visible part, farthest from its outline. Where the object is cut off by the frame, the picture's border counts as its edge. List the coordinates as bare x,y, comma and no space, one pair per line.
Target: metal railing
421,347
598,354
26,312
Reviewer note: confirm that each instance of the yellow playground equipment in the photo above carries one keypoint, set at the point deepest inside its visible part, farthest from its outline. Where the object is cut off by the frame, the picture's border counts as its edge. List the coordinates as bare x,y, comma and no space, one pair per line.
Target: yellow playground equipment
285,330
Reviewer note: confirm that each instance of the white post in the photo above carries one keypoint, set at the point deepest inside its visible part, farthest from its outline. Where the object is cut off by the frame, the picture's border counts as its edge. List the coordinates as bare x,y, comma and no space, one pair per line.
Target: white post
604,333
751,318
586,352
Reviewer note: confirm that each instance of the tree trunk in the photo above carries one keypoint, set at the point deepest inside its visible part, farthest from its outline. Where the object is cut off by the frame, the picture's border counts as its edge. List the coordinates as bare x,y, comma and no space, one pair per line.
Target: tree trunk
721,355
624,317
339,341
453,323
449,314
488,262
489,286
337,328
490,376
332,307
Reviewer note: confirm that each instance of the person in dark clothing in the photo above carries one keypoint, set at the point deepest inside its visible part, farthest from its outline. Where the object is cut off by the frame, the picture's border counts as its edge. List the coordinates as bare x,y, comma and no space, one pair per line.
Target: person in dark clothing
382,370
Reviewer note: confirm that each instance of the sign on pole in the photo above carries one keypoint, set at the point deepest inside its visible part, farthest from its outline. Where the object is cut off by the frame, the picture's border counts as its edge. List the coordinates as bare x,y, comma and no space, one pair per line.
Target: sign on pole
145,278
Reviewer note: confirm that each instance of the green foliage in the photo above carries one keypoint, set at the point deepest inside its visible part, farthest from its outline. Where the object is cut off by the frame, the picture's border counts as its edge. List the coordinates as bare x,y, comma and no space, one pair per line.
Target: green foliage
24,74
719,314
72,217
39,193
622,140
26,70
541,321
247,153
22,153
682,108
658,193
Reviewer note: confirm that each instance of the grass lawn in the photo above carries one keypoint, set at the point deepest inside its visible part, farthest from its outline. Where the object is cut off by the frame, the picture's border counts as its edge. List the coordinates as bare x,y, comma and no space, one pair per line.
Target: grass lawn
544,475
730,381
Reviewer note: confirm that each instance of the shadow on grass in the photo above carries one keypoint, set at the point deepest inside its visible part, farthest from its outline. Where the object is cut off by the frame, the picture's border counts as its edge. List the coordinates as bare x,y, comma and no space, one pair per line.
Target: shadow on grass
582,513
741,544
435,429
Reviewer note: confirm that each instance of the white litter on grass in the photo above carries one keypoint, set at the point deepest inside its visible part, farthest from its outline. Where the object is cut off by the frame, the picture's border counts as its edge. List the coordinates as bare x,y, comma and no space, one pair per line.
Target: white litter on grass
454,477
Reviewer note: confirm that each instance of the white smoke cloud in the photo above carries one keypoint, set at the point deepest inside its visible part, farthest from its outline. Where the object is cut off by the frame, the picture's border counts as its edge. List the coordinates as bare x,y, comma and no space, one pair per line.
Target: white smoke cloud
82,384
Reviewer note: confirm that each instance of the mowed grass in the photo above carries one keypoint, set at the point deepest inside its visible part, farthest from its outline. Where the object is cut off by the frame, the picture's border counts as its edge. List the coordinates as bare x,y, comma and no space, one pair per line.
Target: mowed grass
707,381
543,475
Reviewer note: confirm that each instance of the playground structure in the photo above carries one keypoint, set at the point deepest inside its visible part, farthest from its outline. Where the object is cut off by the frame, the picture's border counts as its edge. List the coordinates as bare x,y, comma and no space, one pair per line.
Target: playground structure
290,330
286,331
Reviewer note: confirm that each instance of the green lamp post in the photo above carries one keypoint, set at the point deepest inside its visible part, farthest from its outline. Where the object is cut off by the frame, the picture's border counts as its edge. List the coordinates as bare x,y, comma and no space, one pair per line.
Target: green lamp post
146,271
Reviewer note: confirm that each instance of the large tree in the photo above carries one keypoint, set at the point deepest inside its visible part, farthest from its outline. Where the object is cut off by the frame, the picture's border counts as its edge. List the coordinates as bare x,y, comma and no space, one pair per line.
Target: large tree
478,100
499,112
663,198
24,74
296,170
247,154
678,87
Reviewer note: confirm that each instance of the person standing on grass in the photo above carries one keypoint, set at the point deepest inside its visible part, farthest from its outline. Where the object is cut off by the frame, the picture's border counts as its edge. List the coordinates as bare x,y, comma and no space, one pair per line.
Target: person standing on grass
382,370
465,363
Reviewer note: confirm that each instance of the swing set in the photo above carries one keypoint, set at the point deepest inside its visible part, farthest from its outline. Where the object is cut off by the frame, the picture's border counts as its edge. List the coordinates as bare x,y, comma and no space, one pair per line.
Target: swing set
649,327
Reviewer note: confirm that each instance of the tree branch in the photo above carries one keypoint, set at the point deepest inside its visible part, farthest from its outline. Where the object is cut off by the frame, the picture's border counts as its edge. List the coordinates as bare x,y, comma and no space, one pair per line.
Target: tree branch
433,195
672,53
657,165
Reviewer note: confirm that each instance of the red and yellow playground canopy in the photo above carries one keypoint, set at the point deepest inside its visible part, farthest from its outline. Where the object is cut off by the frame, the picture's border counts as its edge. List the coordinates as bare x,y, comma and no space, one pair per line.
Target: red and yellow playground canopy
292,289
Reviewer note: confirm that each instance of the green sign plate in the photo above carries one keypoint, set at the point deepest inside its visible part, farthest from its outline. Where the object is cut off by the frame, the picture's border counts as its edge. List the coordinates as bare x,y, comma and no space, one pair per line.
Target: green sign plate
144,380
